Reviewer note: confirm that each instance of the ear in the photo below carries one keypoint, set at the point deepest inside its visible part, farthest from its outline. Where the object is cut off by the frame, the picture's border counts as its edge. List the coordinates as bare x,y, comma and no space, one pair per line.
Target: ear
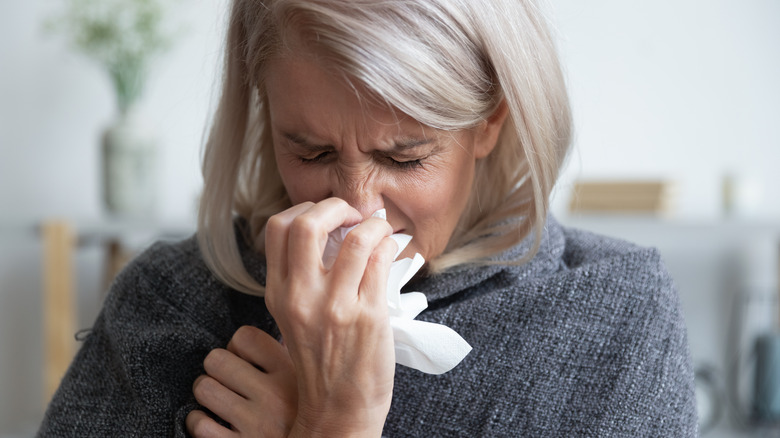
486,134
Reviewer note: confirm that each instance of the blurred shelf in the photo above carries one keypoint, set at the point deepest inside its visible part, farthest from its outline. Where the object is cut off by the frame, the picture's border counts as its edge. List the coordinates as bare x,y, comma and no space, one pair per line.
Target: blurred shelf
96,231
61,240
668,221
650,230
728,432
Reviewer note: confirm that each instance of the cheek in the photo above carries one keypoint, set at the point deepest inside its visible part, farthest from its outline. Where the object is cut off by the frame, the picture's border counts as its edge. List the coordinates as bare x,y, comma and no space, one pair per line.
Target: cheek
303,183
450,199
435,206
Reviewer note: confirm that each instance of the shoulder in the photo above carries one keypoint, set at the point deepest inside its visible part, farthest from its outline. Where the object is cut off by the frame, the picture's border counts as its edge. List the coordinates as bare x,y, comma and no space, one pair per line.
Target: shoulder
631,302
144,350
594,265
169,284
174,271
625,296
169,262
608,287
590,328
629,267
586,249
165,287
616,305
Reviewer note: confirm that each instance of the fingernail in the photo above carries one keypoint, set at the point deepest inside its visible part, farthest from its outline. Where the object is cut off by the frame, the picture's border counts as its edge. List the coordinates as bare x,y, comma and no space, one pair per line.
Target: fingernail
402,240
381,214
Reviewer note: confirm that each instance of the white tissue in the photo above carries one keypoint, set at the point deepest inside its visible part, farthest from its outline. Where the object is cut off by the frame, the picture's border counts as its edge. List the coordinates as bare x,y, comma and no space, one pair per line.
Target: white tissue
425,346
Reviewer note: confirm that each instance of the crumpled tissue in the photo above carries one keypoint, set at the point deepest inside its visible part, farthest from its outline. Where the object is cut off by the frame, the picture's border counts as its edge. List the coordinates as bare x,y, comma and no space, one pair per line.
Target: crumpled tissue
429,347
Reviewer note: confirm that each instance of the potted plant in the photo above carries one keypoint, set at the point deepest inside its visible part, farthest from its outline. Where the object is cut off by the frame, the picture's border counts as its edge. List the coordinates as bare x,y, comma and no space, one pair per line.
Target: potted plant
124,37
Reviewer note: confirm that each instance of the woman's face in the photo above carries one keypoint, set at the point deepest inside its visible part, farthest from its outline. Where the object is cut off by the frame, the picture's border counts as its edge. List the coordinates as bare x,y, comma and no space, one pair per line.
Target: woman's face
329,143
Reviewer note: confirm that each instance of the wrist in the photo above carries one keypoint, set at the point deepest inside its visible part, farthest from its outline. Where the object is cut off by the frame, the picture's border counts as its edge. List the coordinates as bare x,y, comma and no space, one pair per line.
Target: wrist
365,423
299,431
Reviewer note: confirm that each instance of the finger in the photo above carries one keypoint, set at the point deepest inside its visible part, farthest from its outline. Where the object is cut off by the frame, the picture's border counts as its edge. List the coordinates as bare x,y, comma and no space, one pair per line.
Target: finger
373,287
358,246
259,348
309,234
200,425
276,235
219,399
233,372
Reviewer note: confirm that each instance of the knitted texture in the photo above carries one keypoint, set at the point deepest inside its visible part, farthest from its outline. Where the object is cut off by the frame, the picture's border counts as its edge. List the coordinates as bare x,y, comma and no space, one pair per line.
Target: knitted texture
587,339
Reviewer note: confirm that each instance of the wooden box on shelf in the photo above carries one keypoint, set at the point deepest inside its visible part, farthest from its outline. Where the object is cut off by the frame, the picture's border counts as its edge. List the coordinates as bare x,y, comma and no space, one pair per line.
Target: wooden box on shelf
648,197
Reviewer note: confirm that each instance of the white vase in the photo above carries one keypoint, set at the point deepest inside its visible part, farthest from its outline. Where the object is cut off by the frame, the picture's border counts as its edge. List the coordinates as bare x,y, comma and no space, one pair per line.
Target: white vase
129,166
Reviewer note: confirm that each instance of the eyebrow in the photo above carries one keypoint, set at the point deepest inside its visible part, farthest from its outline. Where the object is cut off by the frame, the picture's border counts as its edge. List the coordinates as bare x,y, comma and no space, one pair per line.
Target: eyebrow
301,141
398,146
404,145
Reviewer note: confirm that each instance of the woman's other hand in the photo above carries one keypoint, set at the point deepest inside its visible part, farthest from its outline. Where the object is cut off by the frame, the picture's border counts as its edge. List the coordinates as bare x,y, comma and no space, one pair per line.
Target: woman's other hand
334,322
251,385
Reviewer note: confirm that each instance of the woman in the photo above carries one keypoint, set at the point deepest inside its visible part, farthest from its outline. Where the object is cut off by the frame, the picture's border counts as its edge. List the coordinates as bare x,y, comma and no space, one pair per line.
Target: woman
452,116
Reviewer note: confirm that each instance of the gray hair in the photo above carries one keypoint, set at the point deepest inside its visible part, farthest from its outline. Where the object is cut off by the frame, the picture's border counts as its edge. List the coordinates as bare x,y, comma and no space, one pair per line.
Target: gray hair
446,63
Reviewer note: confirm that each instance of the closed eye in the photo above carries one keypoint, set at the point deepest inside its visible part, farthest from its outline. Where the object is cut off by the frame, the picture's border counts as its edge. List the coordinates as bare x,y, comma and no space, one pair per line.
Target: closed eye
406,165
316,159
398,164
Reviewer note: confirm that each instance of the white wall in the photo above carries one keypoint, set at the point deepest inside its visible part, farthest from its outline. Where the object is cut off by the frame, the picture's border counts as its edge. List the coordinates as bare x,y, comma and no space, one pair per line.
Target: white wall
54,103
686,91
683,89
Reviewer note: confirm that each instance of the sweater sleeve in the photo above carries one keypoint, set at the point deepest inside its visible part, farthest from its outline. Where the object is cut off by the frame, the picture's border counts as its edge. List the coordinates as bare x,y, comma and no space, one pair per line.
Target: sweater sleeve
133,374
651,386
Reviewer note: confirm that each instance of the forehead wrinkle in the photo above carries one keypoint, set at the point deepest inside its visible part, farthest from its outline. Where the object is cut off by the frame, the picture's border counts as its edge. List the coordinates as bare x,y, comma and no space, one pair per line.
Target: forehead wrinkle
373,105
404,141
370,135
301,141
366,121
388,136
373,108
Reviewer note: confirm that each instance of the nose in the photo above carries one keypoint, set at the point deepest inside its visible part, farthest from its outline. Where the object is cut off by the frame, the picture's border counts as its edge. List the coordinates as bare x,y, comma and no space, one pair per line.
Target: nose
362,192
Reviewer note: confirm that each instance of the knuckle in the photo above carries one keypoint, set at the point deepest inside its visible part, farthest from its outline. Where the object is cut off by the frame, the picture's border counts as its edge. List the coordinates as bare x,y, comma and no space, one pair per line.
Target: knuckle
290,305
382,256
195,424
202,427
203,386
197,383
305,227
304,222
338,316
296,313
244,336
358,240
215,360
275,224
342,203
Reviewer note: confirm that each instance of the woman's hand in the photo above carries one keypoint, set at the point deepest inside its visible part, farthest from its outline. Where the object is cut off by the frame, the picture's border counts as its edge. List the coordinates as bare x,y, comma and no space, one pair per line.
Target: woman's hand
334,322
251,385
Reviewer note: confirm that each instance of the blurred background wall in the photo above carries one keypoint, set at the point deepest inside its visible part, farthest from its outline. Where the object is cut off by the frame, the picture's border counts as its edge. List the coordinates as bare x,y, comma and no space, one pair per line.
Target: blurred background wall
684,90
54,105
679,90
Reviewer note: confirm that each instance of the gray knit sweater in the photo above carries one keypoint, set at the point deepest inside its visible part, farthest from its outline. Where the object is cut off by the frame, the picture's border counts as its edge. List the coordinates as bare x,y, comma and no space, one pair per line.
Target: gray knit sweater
587,339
